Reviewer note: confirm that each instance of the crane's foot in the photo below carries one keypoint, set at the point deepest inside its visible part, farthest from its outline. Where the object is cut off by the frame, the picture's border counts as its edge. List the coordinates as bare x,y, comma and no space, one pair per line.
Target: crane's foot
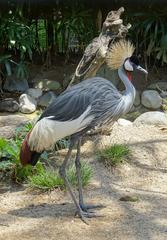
86,208
84,215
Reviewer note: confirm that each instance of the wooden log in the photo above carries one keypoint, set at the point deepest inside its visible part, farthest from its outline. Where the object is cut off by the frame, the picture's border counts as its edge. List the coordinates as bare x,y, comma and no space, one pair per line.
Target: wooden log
95,53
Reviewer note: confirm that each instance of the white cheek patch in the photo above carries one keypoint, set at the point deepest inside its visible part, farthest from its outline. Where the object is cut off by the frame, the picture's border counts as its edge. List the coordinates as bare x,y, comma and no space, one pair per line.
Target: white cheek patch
128,65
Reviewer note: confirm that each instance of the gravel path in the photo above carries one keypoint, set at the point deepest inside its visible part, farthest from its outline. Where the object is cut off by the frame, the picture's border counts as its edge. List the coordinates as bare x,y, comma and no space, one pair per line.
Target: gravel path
25,214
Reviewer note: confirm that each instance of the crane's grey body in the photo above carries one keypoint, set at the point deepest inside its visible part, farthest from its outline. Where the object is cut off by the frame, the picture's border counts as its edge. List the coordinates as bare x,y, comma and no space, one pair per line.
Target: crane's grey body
106,103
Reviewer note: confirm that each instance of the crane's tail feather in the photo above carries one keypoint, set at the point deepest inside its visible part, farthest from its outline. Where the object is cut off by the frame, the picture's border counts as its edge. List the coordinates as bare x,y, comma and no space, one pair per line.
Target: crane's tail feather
26,155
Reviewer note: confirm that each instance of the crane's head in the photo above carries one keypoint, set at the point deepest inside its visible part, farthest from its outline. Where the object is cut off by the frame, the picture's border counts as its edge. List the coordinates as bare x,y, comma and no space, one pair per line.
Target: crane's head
132,63
121,55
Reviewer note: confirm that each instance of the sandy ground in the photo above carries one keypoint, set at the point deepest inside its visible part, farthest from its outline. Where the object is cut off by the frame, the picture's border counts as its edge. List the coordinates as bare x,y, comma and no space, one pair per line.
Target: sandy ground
26,214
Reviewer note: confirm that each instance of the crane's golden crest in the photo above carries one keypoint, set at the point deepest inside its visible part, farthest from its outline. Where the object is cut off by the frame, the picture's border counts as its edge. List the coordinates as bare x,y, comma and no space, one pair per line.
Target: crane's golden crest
118,52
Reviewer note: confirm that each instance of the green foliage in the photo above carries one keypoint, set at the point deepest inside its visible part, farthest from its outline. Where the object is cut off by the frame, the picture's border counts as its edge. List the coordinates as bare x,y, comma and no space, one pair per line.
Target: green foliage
86,174
5,166
21,132
9,149
164,105
113,155
74,29
15,36
149,31
68,30
49,179
10,156
62,144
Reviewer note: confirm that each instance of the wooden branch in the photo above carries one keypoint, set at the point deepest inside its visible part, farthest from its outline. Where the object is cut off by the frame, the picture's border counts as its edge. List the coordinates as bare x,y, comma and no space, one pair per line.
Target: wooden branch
95,53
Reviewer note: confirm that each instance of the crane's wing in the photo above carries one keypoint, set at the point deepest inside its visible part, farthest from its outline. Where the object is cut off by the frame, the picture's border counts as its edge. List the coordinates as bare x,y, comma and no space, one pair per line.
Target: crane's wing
85,104
68,106
68,114
74,101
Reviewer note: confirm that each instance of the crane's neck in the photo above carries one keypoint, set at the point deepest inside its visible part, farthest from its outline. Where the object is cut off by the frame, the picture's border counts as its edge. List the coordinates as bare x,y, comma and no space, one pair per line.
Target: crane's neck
130,92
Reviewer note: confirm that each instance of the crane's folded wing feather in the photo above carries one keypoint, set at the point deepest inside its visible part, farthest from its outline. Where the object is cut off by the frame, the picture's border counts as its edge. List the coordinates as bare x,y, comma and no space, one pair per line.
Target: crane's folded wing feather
92,102
68,106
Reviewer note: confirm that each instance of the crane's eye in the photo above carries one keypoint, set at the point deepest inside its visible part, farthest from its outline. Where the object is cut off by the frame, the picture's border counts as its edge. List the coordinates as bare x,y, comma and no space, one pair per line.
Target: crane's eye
128,65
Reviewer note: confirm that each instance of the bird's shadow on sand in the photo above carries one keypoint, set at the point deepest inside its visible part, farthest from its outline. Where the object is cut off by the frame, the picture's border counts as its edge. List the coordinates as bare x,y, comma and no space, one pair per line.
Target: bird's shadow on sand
45,210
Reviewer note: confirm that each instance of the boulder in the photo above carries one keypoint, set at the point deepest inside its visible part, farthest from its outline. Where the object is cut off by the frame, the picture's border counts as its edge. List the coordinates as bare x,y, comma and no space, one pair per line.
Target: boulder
47,85
15,120
151,99
7,132
9,123
34,92
27,104
151,118
137,99
46,99
13,84
124,122
157,86
9,105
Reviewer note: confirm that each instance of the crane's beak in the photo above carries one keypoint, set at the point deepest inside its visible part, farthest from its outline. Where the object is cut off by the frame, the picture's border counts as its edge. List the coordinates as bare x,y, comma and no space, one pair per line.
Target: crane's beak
141,69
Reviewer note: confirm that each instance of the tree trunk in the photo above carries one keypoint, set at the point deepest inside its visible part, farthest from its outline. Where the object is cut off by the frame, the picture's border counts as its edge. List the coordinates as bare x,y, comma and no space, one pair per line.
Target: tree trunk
95,53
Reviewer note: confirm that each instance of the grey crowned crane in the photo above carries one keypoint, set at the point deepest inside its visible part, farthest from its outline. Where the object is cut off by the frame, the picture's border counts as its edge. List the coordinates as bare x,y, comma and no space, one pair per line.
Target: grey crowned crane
92,103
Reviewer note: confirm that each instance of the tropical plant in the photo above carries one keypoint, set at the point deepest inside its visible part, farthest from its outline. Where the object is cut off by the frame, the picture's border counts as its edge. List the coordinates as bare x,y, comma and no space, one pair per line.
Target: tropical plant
74,28
16,39
149,32
10,157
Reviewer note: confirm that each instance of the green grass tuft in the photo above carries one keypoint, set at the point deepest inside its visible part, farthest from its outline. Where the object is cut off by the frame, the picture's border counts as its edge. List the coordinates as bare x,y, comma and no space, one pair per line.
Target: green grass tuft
46,180
49,179
113,155
86,174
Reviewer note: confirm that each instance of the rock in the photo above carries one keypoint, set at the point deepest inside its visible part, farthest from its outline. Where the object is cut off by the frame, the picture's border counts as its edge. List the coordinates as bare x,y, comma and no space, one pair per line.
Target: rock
46,99
151,118
9,105
46,85
129,198
15,120
27,104
124,122
7,132
9,123
151,99
34,92
158,85
137,99
13,84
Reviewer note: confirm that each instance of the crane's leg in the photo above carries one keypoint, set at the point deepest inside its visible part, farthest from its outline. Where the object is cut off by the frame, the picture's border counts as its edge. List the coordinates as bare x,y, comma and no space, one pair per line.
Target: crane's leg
78,170
62,172
84,207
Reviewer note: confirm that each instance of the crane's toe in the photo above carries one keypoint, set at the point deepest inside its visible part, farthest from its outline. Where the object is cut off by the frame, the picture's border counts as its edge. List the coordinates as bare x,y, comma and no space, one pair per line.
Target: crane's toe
83,215
86,208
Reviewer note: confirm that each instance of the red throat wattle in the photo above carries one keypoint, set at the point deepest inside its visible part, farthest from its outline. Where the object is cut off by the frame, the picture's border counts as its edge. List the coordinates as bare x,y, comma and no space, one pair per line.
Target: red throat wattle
129,74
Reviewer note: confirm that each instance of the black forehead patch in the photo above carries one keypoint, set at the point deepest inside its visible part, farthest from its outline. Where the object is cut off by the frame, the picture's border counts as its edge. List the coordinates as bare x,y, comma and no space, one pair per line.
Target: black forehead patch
134,59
